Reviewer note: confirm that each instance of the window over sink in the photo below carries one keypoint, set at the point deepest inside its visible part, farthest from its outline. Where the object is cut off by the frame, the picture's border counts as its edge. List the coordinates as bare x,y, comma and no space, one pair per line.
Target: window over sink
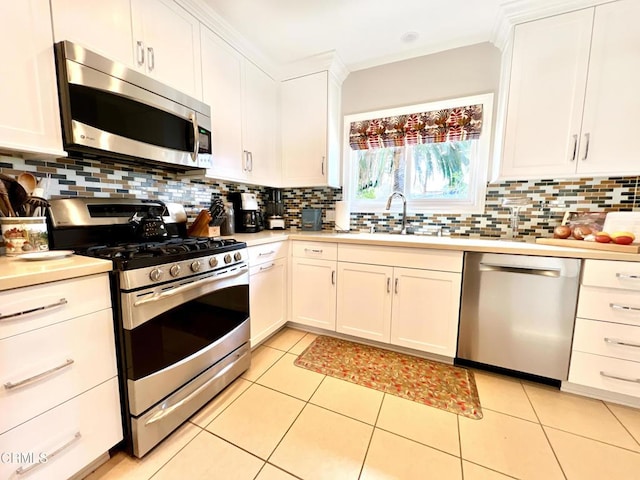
436,154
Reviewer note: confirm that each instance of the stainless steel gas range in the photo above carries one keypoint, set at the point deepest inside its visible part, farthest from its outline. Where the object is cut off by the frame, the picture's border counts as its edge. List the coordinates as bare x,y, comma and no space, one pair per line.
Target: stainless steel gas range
181,307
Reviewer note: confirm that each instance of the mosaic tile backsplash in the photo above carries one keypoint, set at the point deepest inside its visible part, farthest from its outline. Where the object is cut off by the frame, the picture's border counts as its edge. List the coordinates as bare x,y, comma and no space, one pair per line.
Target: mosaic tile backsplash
549,199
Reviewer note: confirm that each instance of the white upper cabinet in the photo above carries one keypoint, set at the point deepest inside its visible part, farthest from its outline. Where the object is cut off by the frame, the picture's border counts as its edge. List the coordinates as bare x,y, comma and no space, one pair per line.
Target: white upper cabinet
167,44
243,101
612,100
104,27
311,131
222,91
29,117
156,37
260,110
572,92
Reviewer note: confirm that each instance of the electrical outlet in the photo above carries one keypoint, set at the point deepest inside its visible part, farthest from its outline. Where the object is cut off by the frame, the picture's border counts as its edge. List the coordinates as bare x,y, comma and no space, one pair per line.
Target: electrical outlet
330,215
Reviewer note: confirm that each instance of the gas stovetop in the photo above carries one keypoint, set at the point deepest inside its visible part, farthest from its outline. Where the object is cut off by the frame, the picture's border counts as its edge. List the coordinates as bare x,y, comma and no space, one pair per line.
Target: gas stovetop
128,256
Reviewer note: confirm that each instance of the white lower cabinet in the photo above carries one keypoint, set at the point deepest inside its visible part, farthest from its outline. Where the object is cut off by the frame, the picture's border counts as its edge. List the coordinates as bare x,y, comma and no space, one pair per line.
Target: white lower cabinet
364,301
59,396
62,441
313,292
313,284
425,310
407,307
267,290
402,296
605,356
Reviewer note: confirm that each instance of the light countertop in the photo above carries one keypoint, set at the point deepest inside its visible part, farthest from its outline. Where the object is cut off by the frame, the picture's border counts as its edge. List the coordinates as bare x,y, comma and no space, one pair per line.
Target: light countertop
441,243
15,272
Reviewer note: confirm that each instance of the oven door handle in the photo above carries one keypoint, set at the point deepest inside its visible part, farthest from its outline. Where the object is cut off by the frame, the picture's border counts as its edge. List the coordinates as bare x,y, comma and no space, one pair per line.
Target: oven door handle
168,409
184,288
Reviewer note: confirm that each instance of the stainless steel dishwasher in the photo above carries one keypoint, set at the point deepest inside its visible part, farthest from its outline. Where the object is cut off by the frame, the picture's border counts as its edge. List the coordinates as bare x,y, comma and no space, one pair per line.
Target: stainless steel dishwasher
518,312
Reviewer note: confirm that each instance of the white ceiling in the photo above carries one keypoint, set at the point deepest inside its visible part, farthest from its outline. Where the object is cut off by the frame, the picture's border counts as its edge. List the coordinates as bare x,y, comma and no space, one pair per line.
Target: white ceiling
364,33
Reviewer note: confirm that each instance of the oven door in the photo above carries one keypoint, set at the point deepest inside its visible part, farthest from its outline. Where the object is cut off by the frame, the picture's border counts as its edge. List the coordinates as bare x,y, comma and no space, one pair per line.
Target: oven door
173,332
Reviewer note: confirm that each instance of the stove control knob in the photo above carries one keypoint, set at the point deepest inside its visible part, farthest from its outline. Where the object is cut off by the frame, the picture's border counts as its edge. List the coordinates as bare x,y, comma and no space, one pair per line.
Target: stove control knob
174,270
237,257
155,274
195,266
227,258
213,262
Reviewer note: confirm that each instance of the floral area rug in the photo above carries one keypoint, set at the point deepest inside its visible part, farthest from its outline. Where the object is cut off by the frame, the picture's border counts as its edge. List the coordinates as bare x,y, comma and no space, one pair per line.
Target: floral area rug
433,383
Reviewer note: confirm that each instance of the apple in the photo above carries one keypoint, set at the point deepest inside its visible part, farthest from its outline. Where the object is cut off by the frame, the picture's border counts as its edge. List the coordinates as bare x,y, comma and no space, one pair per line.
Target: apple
623,238
603,237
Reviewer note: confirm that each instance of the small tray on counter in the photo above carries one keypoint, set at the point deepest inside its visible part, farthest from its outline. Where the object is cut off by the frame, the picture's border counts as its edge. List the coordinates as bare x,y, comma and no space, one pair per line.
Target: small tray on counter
609,247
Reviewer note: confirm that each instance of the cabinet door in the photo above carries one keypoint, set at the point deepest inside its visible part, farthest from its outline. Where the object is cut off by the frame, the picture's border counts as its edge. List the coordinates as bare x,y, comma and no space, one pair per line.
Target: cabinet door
171,39
612,101
103,27
425,310
304,130
546,94
313,293
29,117
222,91
267,299
364,301
260,122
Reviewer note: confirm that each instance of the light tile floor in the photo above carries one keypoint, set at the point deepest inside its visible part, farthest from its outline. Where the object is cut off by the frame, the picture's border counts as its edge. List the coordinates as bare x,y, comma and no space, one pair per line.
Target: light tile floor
280,422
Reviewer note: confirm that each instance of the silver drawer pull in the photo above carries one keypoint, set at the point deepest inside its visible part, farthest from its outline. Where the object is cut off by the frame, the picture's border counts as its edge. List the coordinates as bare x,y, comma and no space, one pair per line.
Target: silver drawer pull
626,308
39,376
628,276
313,250
167,409
49,456
268,267
62,301
615,341
264,254
388,284
616,377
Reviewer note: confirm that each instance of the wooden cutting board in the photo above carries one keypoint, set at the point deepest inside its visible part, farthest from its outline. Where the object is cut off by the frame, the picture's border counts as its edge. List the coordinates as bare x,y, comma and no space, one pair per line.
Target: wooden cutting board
610,247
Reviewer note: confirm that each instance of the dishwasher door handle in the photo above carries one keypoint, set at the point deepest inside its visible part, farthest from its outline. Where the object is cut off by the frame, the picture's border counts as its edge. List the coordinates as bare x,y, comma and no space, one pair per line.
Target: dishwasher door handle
545,272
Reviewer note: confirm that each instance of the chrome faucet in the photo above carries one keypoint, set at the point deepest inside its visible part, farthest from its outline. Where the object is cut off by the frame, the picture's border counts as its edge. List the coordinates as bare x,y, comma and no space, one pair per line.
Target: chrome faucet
404,210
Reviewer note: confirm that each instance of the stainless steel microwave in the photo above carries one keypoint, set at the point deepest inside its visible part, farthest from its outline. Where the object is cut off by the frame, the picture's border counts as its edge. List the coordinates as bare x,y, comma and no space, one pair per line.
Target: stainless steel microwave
109,110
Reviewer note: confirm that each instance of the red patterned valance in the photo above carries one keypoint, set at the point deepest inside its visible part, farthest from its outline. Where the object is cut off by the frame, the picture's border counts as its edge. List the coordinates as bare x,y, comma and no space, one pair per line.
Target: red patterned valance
448,125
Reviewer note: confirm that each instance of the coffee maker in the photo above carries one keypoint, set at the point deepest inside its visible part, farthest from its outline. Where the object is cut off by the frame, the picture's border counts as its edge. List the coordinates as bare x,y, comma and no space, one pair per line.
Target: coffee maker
275,210
247,213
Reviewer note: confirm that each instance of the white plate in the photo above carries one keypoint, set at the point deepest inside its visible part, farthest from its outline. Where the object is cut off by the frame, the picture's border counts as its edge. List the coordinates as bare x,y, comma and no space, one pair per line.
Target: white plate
48,255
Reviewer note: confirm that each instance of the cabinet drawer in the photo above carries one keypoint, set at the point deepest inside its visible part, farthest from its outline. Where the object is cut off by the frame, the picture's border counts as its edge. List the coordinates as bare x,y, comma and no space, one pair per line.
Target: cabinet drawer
622,306
62,361
319,250
28,308
427,259
267,252
597,372
80,430
608,339
612,274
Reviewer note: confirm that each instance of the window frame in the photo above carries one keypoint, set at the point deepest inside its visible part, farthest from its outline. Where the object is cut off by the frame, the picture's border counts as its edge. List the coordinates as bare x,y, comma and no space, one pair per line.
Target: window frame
479,169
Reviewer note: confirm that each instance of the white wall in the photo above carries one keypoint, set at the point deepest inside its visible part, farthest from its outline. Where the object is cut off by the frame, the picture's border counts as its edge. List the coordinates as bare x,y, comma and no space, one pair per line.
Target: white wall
453,73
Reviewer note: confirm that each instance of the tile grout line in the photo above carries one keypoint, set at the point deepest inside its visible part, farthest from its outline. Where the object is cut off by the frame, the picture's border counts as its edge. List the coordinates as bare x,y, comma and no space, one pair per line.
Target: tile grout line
460,439
373,431
306,403
621,423
175,454
553,450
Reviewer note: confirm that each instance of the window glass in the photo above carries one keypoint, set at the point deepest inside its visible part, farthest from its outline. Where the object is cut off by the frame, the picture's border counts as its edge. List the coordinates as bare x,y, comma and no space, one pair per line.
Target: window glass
446,176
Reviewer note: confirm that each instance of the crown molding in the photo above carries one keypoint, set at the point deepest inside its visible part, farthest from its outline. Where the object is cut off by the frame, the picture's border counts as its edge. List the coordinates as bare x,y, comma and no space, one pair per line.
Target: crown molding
513,12
211,19
329,61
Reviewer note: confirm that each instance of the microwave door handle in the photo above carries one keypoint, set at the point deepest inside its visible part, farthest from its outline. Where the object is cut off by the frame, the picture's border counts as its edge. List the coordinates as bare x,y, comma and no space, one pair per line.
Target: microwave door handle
196,137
